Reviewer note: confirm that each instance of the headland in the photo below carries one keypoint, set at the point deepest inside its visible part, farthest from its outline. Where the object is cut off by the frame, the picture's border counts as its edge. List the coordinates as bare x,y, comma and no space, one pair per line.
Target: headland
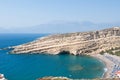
80,43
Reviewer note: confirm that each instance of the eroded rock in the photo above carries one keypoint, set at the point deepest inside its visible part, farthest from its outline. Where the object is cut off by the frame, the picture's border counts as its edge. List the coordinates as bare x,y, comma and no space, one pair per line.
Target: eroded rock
75,43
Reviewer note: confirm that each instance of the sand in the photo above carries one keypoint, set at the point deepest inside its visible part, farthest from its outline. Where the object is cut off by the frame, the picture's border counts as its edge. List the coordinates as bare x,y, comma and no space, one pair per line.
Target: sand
109,63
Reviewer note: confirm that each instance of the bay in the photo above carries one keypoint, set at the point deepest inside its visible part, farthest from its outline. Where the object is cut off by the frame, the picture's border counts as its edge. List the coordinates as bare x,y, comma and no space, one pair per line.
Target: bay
31,67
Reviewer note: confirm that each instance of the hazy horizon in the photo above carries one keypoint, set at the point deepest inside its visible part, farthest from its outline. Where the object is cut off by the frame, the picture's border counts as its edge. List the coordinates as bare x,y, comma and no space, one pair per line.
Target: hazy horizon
63,16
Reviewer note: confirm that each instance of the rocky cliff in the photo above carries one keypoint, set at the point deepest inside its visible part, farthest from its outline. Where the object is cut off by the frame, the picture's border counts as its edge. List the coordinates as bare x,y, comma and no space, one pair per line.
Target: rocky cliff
75,43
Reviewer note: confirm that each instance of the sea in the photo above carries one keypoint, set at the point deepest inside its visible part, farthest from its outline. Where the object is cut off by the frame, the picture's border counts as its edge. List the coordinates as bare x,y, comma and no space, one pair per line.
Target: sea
34,66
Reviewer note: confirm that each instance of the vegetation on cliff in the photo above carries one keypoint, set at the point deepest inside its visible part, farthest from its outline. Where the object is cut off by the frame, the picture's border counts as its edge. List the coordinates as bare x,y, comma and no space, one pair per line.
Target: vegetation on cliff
113,51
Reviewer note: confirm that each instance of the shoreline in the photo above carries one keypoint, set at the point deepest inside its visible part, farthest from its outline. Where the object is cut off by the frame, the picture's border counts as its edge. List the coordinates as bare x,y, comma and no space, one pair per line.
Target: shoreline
109,64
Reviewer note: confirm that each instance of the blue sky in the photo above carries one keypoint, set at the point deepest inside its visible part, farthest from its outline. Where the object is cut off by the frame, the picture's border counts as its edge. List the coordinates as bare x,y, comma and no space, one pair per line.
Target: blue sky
20,14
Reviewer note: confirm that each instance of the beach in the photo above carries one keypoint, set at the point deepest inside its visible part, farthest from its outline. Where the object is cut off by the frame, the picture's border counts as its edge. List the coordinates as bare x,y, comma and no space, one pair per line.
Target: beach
112,63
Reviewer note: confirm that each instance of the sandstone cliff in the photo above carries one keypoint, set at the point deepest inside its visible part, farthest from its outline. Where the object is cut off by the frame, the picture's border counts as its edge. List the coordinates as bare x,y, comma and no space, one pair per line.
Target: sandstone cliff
75,43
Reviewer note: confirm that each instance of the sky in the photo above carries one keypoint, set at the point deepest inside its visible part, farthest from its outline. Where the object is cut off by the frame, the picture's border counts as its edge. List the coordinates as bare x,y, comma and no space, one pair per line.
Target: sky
22,16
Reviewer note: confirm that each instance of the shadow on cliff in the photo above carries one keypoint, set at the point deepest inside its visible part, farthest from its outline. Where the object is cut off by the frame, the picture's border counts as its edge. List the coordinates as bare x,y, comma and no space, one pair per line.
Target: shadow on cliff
64,53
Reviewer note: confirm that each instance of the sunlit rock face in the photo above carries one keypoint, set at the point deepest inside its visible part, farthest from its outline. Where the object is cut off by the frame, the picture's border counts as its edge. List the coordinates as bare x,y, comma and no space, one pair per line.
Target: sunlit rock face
74,43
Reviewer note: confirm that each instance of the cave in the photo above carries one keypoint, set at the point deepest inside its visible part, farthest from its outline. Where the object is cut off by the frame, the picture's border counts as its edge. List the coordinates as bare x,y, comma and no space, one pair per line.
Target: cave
64,52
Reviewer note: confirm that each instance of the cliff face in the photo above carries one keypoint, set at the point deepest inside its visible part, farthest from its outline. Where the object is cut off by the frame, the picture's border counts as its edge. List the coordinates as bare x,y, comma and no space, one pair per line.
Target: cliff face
75,43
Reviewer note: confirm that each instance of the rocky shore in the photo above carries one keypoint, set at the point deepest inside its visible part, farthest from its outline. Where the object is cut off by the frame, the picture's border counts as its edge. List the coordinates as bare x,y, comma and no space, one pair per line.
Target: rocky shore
65,78
54,78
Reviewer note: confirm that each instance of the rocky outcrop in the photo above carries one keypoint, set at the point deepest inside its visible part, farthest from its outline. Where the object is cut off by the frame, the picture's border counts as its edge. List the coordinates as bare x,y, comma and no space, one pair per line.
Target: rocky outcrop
65,78
54,78
75,43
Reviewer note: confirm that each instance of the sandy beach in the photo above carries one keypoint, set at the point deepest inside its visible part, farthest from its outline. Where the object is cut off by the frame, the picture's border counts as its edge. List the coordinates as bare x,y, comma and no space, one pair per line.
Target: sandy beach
112,63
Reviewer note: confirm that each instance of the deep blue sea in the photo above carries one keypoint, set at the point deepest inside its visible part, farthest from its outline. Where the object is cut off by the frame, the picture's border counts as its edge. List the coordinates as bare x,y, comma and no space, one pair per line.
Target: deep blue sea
33,66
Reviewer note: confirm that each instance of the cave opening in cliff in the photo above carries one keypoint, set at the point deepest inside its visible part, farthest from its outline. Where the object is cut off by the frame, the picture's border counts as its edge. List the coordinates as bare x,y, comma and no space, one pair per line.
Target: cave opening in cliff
64,52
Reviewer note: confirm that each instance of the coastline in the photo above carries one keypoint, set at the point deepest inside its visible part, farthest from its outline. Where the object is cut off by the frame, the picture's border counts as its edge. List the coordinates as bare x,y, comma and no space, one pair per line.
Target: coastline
109,65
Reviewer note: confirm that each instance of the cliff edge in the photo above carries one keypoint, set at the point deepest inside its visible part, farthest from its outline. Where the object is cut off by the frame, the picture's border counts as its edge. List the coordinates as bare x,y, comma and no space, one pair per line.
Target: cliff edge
76,43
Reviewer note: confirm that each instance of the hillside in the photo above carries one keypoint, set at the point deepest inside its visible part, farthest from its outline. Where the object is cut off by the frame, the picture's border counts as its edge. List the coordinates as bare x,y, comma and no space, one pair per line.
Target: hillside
74,43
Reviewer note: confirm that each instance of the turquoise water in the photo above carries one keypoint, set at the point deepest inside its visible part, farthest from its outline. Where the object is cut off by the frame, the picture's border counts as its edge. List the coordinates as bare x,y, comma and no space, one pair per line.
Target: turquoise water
31,67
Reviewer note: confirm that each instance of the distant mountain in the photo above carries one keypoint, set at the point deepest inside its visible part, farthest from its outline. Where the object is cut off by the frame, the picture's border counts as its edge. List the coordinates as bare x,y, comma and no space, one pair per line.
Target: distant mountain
67,27
60,27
